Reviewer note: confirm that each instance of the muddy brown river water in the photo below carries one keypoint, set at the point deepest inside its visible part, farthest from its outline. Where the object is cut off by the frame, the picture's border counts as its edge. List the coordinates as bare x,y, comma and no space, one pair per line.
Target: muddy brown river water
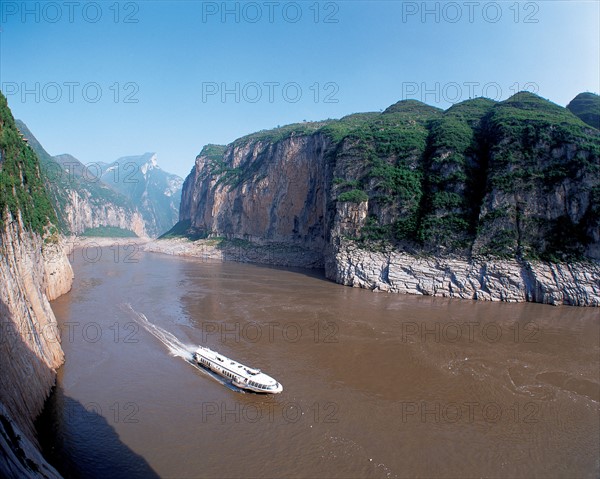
375,385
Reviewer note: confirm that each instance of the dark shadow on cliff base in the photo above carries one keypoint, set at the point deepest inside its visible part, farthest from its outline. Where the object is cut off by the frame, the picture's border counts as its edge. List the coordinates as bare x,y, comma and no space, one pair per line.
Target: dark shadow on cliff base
80,443
24,381
74,439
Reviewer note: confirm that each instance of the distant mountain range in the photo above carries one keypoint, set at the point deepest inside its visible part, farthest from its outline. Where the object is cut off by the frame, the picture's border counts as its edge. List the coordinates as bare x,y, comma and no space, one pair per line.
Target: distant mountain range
132,193
155,192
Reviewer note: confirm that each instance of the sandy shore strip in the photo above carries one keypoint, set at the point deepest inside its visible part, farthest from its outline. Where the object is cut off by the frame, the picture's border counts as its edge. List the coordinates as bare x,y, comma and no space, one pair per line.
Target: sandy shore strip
241,251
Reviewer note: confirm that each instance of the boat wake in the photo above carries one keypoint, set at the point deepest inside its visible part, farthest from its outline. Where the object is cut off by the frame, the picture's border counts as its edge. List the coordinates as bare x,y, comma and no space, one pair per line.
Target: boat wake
174,345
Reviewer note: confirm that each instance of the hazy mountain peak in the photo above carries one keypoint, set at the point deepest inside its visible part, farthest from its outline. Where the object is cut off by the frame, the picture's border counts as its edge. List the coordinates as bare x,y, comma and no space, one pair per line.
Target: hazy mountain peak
154,191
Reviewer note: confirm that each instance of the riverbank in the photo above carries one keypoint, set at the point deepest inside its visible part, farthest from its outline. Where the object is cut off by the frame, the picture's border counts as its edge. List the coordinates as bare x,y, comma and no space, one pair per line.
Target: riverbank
240,251
576,284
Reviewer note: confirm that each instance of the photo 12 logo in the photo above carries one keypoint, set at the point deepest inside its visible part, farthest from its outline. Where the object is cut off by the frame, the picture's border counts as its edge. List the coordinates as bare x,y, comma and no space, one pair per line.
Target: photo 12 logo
72,331
92,252
289,412
455,92
470,12
469,412
270,12
450,332
71,92
271,331
69,12
117,412
86,249
269,91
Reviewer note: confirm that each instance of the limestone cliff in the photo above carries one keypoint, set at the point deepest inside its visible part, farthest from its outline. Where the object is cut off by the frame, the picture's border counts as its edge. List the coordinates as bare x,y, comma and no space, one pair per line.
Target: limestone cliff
504,189
33,270
510,280
83,211
246,200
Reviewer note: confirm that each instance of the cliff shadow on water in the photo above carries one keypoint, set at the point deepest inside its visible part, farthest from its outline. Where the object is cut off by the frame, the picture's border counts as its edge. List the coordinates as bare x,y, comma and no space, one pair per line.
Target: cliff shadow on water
24,380
81,443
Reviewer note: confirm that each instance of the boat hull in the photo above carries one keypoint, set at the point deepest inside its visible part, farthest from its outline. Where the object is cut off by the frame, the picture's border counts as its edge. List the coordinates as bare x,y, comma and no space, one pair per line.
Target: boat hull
245,383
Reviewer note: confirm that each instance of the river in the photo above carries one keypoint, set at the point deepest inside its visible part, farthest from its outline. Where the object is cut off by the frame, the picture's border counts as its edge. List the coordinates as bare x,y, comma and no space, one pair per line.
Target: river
375,385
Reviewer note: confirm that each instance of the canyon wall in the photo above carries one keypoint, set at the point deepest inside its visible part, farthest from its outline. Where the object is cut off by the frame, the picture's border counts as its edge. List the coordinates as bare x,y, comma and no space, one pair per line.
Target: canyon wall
502,196
82,211
34,269
262,191
32,274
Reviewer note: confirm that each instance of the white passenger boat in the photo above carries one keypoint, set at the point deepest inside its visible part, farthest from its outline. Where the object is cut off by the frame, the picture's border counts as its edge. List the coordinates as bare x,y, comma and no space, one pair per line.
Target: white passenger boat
241,376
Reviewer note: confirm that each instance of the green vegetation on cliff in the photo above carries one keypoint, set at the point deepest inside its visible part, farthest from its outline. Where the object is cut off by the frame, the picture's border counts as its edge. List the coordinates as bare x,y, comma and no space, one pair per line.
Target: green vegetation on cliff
455,163
586,106
21,185
518,178
184,229
543,165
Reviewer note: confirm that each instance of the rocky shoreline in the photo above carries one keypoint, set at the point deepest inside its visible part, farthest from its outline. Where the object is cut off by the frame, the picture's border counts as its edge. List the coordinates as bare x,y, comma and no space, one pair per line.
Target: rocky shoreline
576,284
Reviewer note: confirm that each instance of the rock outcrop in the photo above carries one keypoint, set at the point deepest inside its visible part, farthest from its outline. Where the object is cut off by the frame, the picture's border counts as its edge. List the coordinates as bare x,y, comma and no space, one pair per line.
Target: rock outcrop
239,195
488,280
32,274
504,197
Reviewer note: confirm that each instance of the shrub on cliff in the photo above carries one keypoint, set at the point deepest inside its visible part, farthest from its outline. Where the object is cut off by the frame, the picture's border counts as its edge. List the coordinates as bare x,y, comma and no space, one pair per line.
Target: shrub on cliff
21,185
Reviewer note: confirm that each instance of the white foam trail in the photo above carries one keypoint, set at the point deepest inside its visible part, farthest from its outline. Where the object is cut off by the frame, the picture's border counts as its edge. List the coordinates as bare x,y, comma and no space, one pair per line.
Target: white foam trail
175,346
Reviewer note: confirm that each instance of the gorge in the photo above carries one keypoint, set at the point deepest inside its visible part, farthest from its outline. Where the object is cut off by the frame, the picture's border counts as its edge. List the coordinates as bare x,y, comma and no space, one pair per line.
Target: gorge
495,201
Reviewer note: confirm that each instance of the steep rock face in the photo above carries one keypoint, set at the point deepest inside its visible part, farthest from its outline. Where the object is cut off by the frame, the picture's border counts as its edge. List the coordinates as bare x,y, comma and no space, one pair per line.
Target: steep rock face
543,183
489,280
20,457
33,268
270,192
32,273
455,164
82,211
506,195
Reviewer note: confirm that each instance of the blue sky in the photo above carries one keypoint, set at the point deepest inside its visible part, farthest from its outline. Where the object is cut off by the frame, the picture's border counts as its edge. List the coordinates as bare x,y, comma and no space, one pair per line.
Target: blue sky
106,79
